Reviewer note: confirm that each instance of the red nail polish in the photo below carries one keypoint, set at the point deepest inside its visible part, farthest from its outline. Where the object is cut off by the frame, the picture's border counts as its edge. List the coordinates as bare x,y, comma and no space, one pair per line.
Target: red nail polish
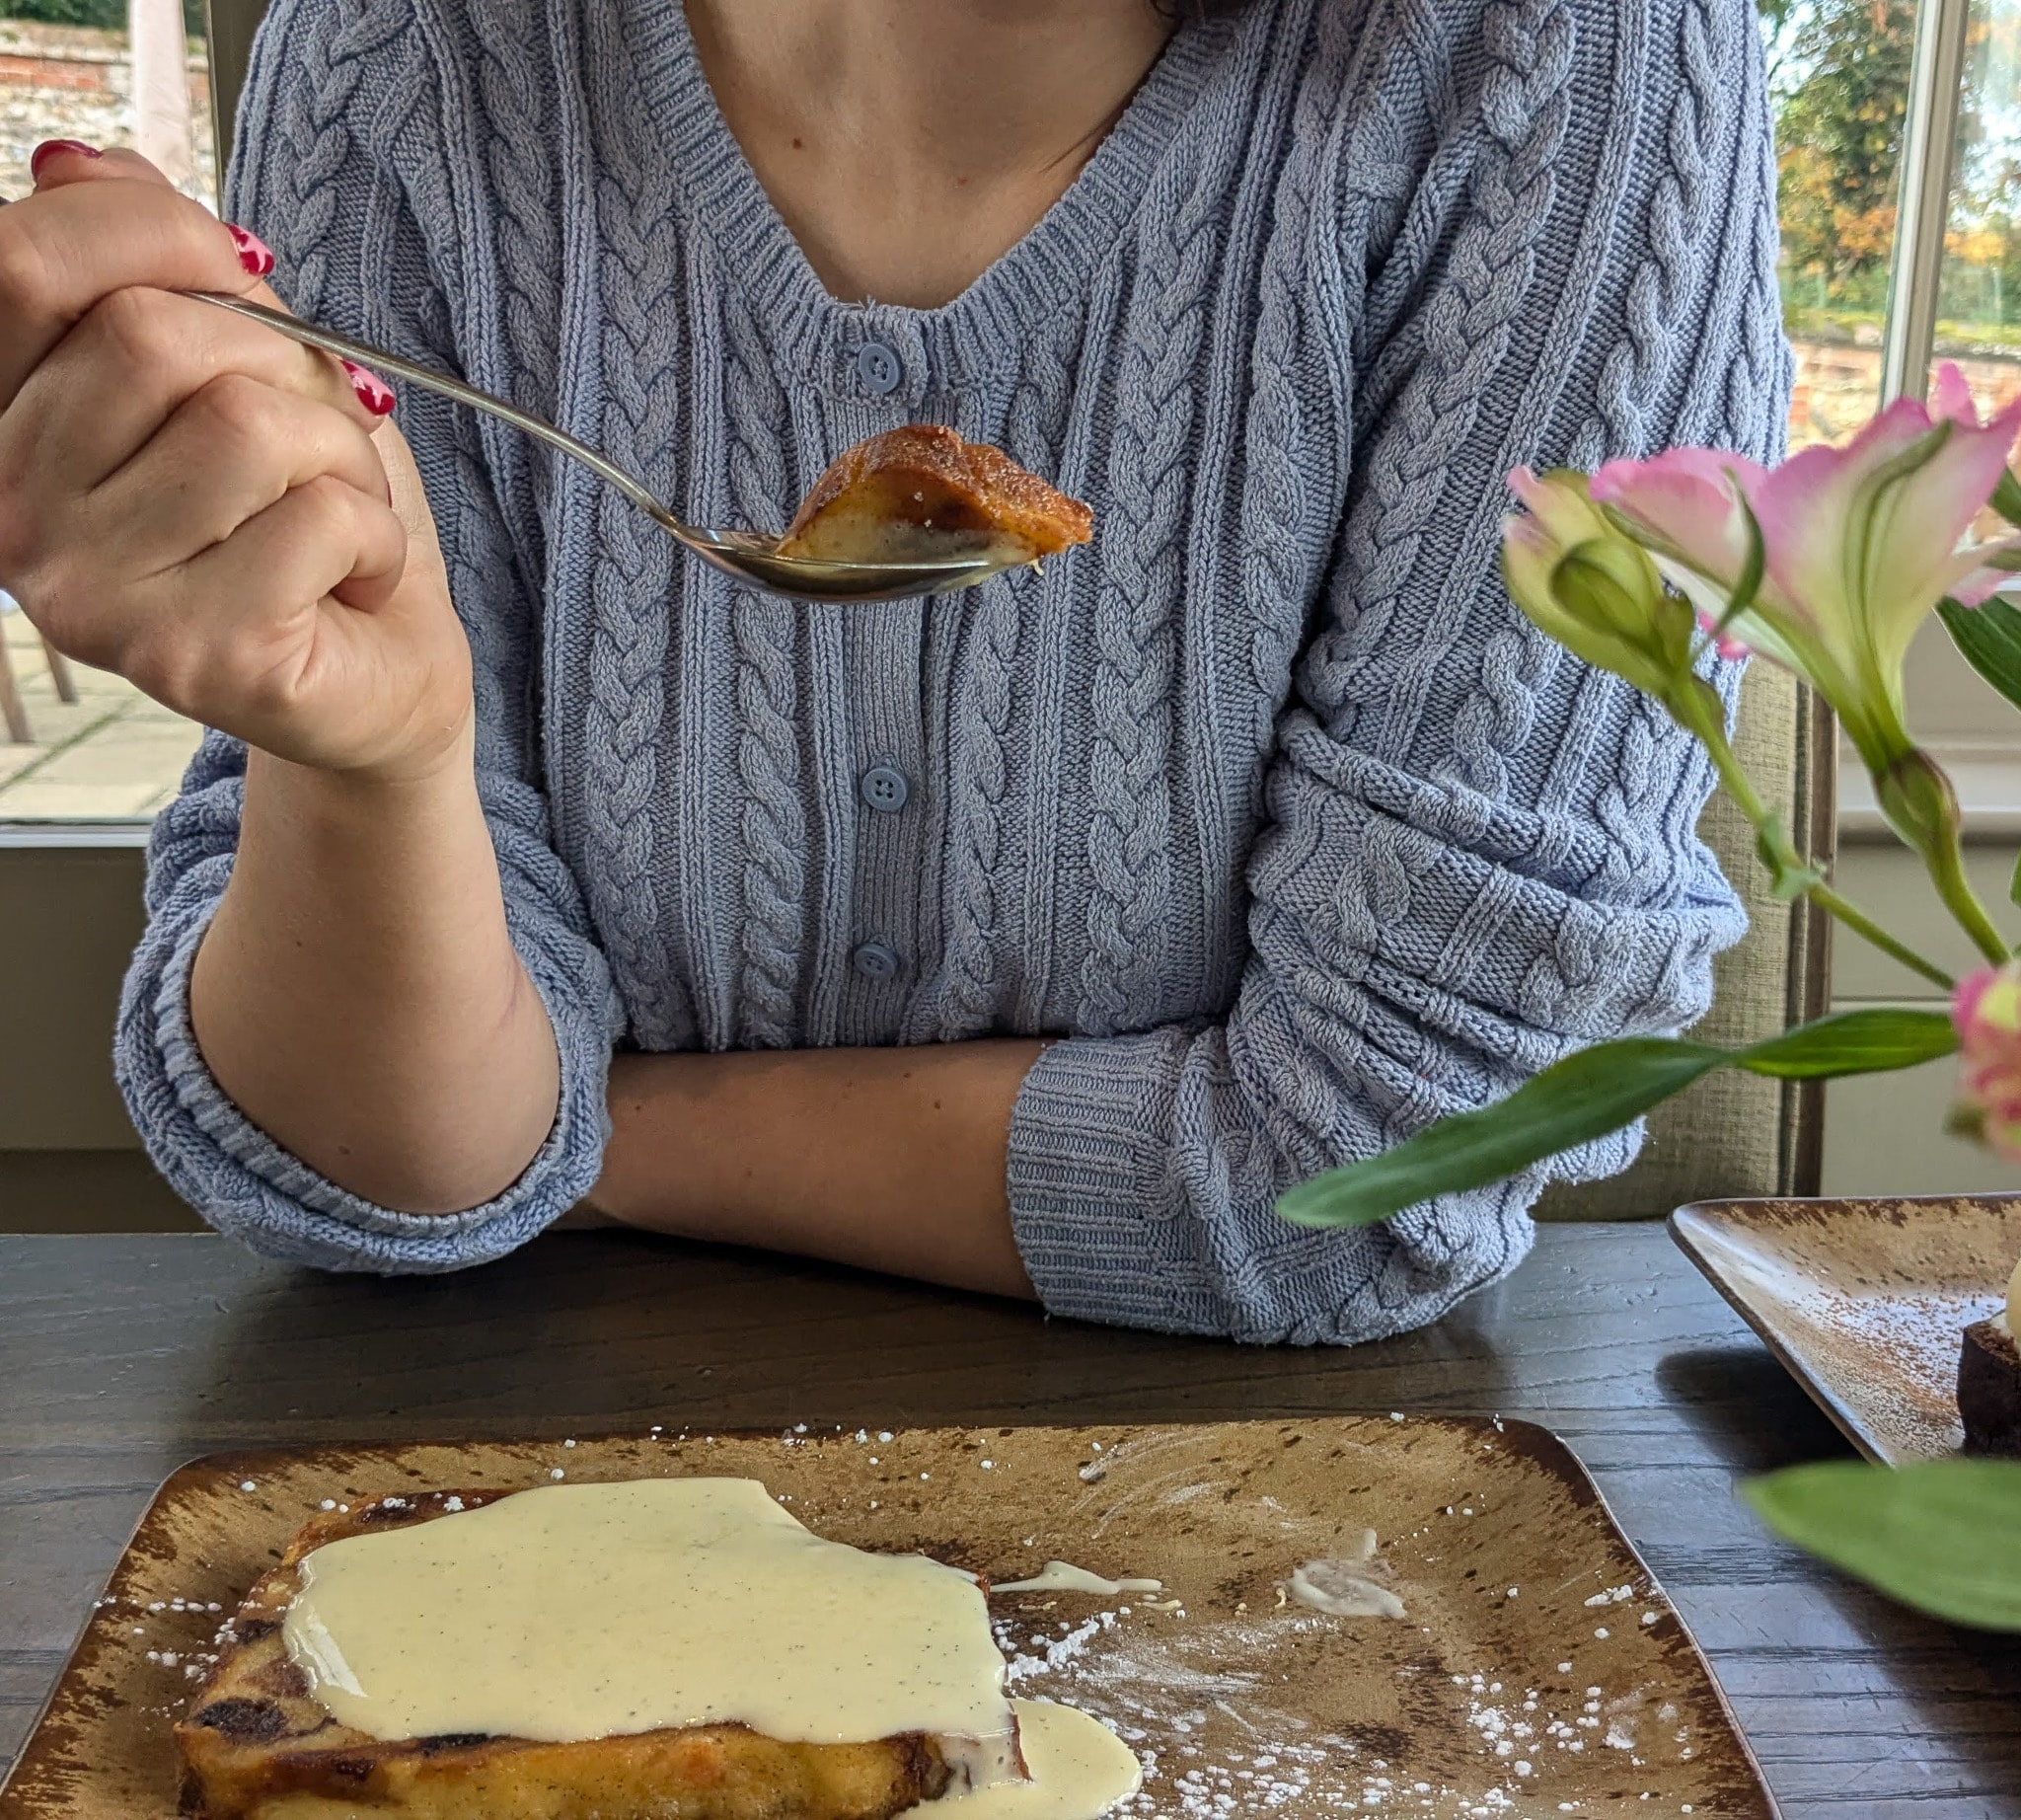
51,147
373,392
253,252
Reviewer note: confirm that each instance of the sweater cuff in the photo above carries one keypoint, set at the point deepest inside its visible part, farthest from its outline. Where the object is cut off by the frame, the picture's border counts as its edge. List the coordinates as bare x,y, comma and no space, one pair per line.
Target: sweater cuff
1119,1218
1091,1208
252,1188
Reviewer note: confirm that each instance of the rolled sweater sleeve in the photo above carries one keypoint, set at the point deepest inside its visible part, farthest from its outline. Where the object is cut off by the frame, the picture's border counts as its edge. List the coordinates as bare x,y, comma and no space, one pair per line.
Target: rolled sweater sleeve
1477,855
351,254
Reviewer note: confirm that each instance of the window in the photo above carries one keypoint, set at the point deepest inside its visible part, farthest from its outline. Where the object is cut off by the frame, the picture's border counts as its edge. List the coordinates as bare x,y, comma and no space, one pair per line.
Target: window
1838,75
78,745
1898,133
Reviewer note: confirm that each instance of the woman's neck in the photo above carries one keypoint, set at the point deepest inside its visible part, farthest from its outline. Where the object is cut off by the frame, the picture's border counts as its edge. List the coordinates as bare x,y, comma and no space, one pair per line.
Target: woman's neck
909,144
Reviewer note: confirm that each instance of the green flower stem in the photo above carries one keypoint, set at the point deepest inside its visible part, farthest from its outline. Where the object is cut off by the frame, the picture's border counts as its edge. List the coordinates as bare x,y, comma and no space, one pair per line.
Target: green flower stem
1946,861
1859,923
1711,732
1921,806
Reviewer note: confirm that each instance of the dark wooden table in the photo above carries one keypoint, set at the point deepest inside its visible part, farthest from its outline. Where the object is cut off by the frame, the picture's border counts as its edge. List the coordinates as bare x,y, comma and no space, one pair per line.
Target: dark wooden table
120,1357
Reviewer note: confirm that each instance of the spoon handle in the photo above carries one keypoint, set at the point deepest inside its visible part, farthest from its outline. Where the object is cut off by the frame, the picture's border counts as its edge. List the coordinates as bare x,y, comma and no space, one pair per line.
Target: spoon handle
426,377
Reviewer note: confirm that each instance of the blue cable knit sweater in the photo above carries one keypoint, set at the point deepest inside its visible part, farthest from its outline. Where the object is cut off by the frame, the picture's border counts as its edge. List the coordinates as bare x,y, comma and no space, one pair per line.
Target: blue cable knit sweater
1267,802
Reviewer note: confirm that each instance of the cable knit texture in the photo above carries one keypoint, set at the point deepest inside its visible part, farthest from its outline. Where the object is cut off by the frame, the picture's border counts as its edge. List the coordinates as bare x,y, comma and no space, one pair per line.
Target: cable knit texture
1267,804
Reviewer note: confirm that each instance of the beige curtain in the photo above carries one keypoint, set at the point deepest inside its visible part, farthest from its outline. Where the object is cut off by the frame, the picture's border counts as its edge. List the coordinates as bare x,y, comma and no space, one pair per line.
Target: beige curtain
161,86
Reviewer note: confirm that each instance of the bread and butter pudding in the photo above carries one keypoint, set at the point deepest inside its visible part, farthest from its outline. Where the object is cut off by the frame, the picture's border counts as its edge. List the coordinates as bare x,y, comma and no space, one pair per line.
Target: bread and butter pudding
920,493
1990,1380
657,1649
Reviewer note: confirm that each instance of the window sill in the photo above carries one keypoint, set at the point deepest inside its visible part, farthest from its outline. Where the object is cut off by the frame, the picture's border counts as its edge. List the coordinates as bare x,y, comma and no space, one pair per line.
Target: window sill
29,836
1988,783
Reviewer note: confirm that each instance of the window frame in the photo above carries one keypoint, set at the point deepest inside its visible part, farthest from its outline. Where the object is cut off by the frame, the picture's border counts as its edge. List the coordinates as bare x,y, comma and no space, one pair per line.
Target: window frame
1929,157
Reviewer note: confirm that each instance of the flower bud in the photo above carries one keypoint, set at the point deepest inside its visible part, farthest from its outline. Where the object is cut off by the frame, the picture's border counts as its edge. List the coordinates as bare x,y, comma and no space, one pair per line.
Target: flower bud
1593,589
1987,1009
1916,797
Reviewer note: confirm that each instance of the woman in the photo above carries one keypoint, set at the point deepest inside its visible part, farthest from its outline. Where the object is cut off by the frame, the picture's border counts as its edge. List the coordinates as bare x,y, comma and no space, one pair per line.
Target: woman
1031,940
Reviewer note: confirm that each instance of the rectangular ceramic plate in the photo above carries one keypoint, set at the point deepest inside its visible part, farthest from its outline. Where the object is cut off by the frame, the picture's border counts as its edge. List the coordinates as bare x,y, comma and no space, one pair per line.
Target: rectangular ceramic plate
1866,1302
1538,1671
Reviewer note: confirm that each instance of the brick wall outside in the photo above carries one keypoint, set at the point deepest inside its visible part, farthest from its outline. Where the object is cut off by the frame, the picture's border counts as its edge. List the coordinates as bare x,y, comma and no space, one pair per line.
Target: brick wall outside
65,82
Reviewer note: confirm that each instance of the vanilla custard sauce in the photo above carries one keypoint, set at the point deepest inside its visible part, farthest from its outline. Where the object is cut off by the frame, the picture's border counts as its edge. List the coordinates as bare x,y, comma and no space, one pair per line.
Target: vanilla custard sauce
576,1612
1079,1769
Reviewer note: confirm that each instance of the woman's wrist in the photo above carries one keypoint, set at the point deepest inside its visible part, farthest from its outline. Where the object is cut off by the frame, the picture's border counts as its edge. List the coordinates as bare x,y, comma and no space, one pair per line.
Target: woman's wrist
887,1158
358,994
409,793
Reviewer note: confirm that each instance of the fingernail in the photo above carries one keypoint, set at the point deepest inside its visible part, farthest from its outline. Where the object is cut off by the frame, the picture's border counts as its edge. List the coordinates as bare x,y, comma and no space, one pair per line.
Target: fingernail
373,392
253,252
51,147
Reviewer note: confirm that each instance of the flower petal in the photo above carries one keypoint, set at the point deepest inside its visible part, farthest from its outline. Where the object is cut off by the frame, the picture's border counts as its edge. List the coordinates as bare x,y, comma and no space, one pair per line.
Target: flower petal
1806,506
1687,500
1975,575
1954,397
1913,559
1557,502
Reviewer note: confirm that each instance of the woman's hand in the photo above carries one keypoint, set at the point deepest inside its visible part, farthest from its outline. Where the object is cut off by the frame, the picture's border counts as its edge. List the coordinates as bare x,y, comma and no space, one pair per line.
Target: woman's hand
202,505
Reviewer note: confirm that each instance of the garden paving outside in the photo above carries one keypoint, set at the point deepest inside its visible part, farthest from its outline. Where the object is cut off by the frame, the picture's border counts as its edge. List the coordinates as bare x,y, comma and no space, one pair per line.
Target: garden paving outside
113,755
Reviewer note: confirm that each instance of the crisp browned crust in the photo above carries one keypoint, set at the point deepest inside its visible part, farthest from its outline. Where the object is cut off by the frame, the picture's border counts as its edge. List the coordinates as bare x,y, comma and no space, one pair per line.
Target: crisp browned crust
1990,1390
922,481
257,1746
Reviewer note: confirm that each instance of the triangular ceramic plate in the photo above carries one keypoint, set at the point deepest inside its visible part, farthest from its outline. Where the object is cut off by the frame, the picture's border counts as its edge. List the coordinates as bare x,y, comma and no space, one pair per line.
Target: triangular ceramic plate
1866,1302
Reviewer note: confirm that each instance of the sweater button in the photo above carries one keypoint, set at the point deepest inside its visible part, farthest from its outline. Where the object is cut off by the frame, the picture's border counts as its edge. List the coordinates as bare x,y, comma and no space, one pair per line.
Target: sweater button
886,789
878,368
874,961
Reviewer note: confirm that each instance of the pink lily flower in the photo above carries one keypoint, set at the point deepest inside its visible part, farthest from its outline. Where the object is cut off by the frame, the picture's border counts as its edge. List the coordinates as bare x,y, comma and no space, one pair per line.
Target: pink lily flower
1860,545
1987,1009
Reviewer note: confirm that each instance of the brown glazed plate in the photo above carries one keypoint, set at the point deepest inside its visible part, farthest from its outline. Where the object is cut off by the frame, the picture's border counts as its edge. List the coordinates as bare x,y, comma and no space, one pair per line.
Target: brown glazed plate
1538,1670
1865,1302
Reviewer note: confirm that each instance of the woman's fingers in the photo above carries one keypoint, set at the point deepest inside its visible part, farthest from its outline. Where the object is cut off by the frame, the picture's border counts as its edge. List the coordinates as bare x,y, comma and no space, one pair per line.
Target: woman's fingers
322,542
65,249
128,366
266,633
228,453
58,161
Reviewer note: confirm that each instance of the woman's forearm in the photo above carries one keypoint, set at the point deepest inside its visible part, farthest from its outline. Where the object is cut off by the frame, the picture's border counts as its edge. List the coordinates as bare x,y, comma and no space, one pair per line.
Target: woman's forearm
887,1158
358,995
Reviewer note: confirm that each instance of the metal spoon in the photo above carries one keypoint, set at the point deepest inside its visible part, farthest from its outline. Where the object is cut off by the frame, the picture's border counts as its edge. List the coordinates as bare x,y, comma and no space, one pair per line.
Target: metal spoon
747,555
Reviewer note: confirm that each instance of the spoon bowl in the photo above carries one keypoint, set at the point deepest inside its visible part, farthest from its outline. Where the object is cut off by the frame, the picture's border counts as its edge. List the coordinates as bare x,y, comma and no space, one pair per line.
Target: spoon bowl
747,557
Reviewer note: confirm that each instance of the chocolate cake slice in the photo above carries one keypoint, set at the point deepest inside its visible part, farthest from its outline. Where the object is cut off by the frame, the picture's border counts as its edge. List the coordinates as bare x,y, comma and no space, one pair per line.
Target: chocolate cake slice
1989,1389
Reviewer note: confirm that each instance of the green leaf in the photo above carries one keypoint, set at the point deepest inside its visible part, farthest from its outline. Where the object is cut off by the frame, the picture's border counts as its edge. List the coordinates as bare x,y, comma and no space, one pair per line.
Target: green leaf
1875,1040
1571,1103
2006,499
1943,1536
1592,1093
1988,637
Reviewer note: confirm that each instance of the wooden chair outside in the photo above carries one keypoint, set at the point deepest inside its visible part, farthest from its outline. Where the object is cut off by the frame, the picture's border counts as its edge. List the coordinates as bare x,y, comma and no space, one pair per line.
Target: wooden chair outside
13,710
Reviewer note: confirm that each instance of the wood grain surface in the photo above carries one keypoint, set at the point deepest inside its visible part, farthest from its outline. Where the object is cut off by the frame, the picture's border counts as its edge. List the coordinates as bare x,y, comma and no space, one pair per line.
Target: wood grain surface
122,1357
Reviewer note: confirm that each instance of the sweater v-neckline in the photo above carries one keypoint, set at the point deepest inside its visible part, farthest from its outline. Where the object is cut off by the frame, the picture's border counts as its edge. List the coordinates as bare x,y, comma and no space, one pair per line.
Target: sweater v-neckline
976,335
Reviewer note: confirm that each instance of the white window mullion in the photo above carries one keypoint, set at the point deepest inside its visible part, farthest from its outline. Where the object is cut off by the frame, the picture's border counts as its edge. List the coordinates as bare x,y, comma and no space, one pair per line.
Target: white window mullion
1929,150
